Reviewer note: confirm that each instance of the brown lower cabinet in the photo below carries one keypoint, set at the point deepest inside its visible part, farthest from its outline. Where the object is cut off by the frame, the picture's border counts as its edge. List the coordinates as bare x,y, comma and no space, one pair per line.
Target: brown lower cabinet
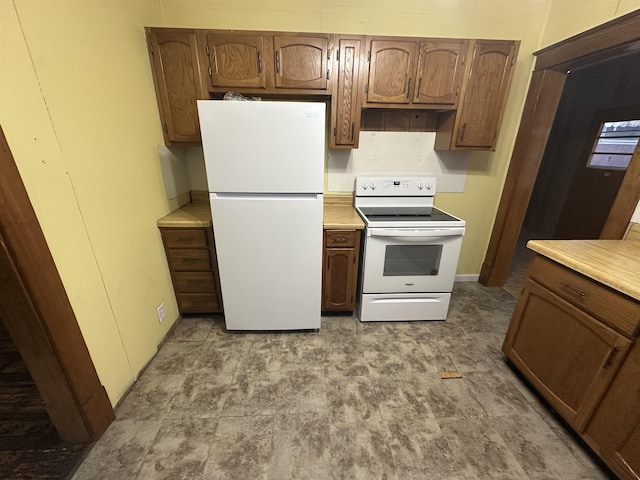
574,339
340,271
192,262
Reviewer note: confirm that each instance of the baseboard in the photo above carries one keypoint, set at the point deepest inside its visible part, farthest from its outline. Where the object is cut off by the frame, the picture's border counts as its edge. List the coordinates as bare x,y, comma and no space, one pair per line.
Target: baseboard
468,277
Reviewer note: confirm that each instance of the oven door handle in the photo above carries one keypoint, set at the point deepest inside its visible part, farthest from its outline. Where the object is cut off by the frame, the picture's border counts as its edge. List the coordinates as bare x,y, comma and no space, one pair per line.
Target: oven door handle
412,232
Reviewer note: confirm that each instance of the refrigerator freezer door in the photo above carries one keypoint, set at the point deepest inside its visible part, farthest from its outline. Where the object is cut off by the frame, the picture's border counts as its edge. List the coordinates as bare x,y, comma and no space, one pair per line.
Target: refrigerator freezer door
269,250
263,147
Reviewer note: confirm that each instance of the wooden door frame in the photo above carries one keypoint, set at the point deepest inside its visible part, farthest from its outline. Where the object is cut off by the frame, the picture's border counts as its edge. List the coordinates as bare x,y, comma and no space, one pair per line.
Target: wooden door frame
616,38
37,314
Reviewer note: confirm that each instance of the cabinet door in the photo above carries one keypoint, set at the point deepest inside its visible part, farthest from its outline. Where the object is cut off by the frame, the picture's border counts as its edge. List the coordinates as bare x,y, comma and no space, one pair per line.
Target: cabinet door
440,72
339,274
301,62
391,69
176,74
614,431
237,61
568,355
628,454
486,91
345,105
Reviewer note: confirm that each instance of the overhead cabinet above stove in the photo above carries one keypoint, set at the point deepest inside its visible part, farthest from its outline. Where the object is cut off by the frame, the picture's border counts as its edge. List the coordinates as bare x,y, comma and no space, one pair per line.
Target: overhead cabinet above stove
464,82
416,73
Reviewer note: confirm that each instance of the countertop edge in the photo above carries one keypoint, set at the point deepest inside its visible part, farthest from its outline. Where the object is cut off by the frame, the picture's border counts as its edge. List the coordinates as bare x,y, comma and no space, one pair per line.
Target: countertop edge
611,267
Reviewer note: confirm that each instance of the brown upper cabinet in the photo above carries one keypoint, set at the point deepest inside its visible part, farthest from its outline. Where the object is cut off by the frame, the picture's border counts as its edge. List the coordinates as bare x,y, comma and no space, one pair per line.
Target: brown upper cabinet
440,72
465,82
301,61
391,71
262,64
474,126
237,61
415,73
178,82
345,101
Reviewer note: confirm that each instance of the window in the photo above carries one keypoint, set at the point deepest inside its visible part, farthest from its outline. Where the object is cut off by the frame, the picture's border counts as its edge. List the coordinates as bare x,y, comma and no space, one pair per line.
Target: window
615,145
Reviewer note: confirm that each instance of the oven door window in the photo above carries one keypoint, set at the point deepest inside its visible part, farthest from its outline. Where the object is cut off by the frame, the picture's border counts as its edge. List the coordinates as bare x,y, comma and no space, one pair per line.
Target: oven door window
412,260
396,263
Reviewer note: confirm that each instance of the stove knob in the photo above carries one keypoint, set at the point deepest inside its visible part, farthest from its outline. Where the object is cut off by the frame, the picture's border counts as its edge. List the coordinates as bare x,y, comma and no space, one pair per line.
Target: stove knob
428,185
365,185
420,185
373,185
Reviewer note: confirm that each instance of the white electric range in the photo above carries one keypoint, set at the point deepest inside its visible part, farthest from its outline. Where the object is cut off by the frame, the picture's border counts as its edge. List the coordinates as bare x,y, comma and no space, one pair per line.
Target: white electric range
411,249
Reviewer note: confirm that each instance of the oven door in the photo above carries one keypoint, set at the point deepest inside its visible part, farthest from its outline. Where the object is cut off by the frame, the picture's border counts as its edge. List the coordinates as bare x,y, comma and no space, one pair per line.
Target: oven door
409,260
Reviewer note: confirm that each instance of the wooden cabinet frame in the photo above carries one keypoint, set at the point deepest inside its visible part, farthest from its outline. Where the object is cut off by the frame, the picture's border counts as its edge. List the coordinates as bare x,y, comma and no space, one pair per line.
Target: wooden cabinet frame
614,38
307,66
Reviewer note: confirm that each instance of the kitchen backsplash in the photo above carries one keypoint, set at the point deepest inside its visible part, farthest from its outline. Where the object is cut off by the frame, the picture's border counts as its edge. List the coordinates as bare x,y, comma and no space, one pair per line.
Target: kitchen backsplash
396,153
379,153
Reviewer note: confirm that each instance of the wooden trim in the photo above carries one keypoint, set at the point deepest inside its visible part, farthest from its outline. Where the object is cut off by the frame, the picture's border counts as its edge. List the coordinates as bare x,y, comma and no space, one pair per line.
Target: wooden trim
619,36
633,233
626,201
540,108
38,315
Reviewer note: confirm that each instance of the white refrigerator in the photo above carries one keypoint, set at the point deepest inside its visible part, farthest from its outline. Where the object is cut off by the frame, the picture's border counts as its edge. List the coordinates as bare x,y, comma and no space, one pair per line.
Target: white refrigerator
265,170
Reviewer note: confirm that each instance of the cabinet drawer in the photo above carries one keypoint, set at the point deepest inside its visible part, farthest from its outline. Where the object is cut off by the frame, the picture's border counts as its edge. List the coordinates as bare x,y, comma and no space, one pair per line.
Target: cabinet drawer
340,238
198,302
185,238
194,282
189,260
614,309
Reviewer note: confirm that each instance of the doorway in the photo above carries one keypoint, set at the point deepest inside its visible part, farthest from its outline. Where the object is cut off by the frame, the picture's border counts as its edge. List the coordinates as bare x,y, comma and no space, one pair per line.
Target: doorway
617,38
572,196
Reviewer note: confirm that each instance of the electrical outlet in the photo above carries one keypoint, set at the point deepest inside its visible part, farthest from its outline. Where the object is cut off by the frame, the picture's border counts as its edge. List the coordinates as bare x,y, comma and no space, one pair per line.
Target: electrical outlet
161,312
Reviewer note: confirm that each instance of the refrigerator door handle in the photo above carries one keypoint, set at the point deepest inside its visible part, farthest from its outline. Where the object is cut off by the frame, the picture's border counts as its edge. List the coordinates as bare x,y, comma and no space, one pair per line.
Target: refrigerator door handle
266,196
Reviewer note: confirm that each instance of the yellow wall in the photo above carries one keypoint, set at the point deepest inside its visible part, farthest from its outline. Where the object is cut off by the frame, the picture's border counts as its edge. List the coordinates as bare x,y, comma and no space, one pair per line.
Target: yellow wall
570,17
78,109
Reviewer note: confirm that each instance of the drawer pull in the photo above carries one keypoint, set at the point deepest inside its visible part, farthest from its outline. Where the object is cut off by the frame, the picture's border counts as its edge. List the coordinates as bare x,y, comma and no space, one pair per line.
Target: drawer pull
609,358
340,239
572,290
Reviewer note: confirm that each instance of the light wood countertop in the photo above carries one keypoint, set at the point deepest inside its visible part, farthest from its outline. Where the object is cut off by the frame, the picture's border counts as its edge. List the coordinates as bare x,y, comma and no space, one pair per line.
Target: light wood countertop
194,214
615,263
338,213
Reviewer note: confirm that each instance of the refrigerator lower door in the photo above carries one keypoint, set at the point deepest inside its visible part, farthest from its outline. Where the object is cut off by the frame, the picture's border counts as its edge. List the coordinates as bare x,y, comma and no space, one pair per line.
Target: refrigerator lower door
269,250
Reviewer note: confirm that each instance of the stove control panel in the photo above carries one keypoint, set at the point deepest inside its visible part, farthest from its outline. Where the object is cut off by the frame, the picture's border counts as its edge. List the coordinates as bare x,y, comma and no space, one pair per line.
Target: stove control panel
401,186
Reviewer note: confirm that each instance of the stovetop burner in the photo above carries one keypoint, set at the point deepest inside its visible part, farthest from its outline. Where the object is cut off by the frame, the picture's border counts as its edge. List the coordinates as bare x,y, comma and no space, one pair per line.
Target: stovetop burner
401,214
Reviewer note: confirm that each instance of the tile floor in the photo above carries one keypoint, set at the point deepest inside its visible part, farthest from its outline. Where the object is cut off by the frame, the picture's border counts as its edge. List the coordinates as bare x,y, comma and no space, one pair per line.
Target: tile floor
352,401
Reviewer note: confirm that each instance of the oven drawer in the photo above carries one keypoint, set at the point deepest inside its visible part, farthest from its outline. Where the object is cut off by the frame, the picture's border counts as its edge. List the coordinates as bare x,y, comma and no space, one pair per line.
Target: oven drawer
340,238
404,307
